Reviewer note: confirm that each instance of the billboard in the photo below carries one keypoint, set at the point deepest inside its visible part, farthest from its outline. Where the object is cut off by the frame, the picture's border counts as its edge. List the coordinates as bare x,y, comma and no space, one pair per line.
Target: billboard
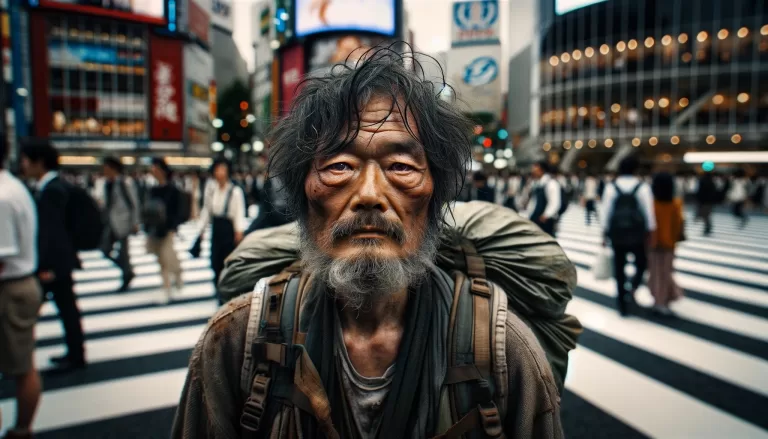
566,6
198,74
292,62
330,51
475,22
475,75
198,20
222,15
166,88
146,8
316,16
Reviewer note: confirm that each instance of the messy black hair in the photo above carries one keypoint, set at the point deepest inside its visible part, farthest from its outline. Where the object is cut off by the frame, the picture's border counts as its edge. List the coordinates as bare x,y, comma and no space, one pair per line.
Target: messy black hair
114,163
323,122
41,151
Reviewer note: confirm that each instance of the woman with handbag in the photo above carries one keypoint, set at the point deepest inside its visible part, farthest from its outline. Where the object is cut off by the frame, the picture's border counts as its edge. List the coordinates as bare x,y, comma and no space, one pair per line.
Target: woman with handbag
669,231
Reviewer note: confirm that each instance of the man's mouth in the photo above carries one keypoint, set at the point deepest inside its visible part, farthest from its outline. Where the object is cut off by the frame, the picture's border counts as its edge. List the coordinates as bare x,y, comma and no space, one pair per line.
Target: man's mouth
369,232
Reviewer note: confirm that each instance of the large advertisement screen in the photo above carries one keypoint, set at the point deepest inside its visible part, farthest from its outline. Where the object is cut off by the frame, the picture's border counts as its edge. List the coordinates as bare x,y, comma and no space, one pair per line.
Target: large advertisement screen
149,8
566,6
316,16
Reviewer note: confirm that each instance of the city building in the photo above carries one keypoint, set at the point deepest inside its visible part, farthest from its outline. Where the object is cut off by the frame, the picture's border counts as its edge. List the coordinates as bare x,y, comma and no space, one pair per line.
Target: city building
658,78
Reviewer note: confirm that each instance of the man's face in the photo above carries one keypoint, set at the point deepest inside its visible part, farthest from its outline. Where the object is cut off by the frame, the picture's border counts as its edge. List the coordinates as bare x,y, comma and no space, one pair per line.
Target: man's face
30,168
536,172
157,172
109,172
221,173
373,198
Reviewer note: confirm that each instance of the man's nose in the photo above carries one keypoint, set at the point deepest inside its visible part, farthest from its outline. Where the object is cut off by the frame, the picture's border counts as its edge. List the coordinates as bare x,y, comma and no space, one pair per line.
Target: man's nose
370,191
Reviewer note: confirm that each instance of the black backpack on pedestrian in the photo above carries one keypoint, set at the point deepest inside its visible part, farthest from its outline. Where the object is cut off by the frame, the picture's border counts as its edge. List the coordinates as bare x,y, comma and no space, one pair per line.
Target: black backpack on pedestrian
84,220
565,201
628,224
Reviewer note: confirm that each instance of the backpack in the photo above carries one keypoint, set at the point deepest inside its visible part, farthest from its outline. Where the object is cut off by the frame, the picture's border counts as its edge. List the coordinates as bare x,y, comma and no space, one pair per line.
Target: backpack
154,216
565,201
475,387
84,219
628,224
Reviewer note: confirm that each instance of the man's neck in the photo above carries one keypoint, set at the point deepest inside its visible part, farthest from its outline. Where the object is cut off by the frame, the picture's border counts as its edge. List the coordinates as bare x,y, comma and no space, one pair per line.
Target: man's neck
388,311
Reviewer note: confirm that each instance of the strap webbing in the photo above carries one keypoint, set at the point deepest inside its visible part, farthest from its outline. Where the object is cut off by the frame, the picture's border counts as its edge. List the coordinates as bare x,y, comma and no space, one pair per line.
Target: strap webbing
461,374
485,418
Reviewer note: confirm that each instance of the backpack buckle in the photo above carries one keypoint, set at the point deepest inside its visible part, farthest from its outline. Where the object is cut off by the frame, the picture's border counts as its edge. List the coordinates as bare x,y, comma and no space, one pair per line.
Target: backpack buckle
490,420
254,406
480,287
273,352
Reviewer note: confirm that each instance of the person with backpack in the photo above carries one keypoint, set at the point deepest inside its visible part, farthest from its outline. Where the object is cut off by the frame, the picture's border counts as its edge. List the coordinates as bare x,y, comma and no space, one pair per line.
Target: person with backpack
120,205
162,217
224,209
367,341
547,197
57,247
629,223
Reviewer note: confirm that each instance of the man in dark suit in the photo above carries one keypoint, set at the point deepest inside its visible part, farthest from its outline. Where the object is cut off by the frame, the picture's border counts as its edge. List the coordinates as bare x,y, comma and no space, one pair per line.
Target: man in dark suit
57,254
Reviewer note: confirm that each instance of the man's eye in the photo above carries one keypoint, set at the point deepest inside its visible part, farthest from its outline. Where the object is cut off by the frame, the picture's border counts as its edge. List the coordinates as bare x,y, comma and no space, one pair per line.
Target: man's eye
338,167
401,167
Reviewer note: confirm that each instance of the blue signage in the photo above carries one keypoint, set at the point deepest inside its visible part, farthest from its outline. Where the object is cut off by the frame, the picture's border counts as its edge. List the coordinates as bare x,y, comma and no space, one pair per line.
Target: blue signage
476,16
481,71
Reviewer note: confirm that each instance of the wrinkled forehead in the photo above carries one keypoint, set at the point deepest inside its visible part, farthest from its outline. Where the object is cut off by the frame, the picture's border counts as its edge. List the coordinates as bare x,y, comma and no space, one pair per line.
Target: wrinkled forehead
384,122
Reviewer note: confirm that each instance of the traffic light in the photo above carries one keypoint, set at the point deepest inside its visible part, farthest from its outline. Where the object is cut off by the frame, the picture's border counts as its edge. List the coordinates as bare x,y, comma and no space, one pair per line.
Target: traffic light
502,134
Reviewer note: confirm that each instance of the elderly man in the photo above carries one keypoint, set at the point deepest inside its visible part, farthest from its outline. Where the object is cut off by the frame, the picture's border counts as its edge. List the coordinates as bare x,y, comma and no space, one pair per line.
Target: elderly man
370,157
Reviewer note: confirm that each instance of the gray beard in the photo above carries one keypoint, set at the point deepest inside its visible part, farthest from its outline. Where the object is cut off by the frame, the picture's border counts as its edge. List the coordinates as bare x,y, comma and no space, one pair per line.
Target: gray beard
363,279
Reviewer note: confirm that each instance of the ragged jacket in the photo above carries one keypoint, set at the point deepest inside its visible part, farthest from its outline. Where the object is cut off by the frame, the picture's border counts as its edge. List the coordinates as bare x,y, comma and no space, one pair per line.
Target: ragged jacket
212,400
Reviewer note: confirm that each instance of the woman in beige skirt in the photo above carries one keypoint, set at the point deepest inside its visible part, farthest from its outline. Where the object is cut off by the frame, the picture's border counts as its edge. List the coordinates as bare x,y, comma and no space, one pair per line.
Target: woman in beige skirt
669,231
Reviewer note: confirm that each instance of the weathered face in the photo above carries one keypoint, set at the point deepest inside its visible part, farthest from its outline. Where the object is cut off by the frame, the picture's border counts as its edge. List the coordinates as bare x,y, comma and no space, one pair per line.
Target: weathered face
372,200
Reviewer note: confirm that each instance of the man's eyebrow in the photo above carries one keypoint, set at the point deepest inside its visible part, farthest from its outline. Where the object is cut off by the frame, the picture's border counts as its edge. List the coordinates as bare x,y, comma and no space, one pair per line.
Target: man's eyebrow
410,146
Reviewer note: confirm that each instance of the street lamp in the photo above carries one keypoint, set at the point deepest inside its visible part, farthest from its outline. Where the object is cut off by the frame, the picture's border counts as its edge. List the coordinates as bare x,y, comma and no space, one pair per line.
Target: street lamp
217,123
258,146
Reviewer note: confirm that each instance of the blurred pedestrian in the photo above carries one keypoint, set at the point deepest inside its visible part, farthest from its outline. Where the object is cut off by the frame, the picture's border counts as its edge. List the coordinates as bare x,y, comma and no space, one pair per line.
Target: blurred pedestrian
273,206
514,185
668,210
590,198
57,256
481,191
20,297
120,204
706,197
629,223
737,195
546,196
161,220
224,209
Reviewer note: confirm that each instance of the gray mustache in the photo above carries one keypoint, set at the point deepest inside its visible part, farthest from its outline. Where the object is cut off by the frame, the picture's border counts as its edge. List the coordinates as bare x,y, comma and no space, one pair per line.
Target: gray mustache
345,228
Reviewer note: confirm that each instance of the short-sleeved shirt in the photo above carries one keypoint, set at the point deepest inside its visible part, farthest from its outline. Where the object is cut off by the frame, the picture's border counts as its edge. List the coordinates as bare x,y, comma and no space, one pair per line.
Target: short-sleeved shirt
18,228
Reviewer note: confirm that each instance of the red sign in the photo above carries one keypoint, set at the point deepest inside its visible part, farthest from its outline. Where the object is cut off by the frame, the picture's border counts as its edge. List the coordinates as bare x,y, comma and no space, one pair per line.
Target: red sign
198,22
166,89
291,74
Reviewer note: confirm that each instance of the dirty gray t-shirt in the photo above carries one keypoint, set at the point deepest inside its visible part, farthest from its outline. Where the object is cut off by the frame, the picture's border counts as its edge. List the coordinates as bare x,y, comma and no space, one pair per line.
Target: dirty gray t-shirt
365,395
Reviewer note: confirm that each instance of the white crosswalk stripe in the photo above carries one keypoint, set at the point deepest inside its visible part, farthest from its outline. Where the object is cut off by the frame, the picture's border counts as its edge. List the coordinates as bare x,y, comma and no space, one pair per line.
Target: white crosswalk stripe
703,374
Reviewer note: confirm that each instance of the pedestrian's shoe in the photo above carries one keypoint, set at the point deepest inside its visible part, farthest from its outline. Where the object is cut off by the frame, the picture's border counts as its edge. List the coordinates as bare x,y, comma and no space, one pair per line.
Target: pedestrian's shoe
18,434
126,282
621,305
164,297
68,364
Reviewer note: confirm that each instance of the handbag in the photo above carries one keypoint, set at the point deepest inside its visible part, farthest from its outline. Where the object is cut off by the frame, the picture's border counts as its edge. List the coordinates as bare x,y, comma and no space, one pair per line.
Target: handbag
602,269
196,246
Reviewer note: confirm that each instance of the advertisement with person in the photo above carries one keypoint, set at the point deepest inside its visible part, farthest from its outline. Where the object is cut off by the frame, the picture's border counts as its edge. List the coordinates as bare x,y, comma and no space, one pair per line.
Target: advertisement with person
292,62
475,23
327,52
198,74
316,16
148,8
166,88
475,75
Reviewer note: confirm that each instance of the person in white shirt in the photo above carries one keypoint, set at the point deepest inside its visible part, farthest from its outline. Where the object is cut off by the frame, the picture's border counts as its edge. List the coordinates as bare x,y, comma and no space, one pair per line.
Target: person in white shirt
737,195
514,184
224,208
590,197
628,220
545,198
20,296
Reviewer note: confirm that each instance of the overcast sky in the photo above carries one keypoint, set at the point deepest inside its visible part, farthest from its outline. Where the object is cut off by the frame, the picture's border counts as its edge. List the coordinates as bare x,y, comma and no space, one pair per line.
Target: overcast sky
430,21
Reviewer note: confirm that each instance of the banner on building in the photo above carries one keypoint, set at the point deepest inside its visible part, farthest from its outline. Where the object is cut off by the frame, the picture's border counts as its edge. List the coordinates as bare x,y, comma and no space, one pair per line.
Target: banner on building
475,23
222,15
475,75
292,71
166,88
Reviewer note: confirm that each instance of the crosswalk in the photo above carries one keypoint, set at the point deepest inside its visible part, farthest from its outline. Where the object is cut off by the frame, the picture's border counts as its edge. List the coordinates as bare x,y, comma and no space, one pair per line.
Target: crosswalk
703,374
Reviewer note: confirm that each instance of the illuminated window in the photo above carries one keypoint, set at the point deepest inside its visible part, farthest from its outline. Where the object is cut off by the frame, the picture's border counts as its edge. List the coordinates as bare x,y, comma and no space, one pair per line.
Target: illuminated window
554,60
583,111
682,38
687,57
636,142
615,108
572,112
579,144
604,49
621,46
649,42
663,102
743,98
577,54
666,40
601,115
718,99
743,32
592,143
653,141
546,147
764,30
649,103
632,44
608,143
567,144
711,139
735,138
683,102
723,34
702,36
674,140
565,57
590,52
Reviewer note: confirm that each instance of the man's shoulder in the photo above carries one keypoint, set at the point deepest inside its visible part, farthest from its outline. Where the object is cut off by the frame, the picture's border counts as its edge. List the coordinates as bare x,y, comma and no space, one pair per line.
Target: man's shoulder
232,318
524,352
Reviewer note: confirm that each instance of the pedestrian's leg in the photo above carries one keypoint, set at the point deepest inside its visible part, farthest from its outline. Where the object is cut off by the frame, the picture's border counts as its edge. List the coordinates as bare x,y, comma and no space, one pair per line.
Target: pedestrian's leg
69,313
707,216
588,214
124,262
619,261
28,389
641,264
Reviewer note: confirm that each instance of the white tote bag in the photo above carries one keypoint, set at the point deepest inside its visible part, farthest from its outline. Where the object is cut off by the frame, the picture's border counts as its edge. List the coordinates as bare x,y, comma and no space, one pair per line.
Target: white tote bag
603,267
